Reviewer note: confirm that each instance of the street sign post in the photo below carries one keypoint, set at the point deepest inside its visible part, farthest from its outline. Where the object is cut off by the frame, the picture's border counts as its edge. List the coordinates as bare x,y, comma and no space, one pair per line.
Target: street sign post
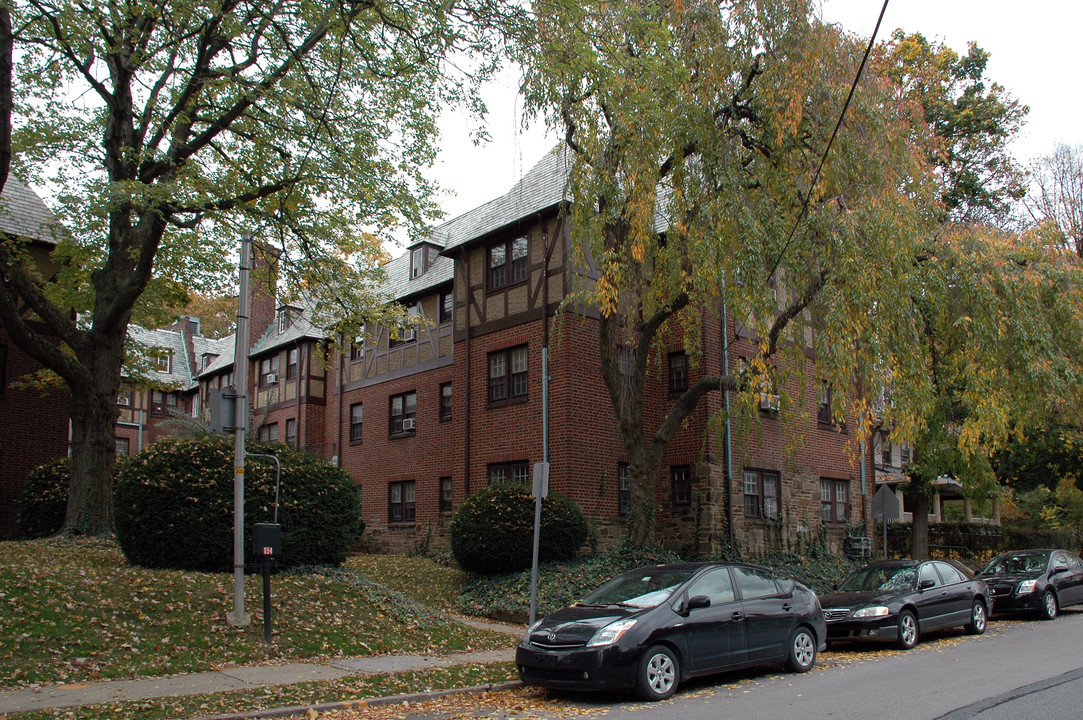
885,504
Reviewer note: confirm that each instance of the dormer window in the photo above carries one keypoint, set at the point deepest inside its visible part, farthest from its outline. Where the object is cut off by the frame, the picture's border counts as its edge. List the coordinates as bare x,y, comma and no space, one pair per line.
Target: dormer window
163,362
208,358
417,262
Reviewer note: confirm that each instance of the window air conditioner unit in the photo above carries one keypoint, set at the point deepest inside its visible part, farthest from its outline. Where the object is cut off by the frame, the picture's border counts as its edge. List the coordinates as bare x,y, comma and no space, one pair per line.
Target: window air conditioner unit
769,402
271,378
124,400
408,424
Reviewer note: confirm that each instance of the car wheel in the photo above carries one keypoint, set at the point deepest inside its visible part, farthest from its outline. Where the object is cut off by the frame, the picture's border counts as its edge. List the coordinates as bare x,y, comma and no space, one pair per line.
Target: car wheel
657,678
977,623
802,651
908,630
1049,605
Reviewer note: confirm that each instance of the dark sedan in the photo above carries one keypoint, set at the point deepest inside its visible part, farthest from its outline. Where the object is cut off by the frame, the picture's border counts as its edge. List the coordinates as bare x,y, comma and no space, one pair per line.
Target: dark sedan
899,600
1041,581
655,626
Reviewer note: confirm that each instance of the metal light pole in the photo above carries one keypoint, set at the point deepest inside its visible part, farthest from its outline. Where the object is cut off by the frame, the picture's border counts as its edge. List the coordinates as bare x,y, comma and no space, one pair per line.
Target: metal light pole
238,618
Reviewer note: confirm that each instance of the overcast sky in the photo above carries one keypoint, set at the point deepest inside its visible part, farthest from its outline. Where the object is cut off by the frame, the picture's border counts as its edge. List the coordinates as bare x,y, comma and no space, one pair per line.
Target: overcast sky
1034,52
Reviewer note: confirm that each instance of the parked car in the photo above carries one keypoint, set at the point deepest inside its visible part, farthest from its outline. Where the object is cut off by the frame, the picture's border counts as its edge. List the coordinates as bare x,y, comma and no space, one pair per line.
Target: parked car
1041,581
899,600
653,627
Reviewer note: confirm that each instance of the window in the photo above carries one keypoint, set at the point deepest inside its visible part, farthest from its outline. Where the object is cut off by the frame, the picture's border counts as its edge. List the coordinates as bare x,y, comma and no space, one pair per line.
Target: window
122,446
268,371
400,501
678,372
834,500
226,380
208,358
950,574
285,319
445,401
356,416
291,432
517,471
716,585
624,489
268,433
124,399
928,572
409,333
445,494
417,262
447,306
171,402
507,374
357,347
157,401
824,415
885,451
755,583
292,356
904,454
626,366
163,361
680,477
514,253
762,494
403,413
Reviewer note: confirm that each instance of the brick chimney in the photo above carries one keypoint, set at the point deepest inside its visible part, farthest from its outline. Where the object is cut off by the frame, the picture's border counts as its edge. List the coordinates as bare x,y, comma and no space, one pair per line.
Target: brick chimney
263,290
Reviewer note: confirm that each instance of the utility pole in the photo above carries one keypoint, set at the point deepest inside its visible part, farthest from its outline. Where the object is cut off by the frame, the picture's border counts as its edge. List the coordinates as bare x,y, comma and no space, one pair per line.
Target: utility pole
238,618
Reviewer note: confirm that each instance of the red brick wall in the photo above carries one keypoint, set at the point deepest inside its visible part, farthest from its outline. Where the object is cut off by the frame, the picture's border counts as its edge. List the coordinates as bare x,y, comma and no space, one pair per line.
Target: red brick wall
33,429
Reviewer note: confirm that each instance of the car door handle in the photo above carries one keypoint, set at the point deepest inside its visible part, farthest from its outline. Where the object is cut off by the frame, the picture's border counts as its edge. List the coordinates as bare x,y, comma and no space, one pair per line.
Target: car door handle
787,606
738,616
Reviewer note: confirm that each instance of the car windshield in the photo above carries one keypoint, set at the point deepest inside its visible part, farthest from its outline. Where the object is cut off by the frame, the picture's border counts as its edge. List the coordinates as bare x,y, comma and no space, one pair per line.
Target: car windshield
879,578
642,588
1017,563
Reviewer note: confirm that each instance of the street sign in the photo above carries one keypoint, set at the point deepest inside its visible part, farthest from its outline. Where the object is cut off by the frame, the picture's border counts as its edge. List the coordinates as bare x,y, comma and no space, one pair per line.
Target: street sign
541,480
885,504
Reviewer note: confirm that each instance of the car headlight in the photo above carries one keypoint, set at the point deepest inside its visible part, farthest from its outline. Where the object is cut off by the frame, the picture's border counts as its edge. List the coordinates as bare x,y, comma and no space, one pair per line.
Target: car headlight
611,632
872,612
1025,587
530,630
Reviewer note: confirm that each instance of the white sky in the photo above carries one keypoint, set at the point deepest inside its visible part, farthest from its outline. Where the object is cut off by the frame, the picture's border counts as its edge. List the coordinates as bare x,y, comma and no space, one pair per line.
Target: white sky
1034,52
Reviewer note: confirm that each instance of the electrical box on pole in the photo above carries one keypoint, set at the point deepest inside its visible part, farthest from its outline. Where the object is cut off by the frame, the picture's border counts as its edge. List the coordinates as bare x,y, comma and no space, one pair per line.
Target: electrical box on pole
222,410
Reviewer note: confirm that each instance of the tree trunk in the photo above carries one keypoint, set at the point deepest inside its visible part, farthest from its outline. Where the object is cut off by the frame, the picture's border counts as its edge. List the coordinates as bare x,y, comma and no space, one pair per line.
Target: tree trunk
93,445
643,494
919,540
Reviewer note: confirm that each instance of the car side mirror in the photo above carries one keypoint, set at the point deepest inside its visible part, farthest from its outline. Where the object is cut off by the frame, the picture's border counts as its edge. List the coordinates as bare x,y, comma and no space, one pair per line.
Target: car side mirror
1060,569
926,584
698,601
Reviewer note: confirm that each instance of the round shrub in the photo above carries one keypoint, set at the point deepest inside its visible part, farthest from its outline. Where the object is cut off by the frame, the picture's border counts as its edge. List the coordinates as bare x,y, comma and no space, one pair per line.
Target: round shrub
493,530
174,506
43,504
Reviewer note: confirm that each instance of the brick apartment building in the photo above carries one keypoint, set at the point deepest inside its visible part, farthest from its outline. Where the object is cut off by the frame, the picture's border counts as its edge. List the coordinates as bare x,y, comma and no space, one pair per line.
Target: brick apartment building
423,420
426,417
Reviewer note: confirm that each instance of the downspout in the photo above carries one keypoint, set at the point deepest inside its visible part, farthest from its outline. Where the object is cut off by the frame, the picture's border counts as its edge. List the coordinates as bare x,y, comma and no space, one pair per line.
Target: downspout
300,374
341,393
729,426
545,340
465,263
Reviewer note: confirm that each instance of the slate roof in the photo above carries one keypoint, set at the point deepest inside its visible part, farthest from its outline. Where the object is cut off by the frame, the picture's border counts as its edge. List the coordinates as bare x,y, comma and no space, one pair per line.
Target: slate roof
399,285
180,374
301,328
23,213
542,187
224,361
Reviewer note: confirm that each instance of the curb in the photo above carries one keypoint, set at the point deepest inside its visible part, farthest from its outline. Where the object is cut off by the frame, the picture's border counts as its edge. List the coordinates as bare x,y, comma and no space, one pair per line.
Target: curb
296,710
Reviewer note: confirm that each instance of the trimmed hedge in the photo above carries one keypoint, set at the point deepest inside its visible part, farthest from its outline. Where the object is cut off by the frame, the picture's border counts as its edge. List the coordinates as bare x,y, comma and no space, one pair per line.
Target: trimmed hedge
43,504
493,530
174,506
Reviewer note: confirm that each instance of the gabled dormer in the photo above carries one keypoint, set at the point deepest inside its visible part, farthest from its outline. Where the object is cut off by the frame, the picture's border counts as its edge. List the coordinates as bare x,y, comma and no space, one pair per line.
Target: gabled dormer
423,254
286,315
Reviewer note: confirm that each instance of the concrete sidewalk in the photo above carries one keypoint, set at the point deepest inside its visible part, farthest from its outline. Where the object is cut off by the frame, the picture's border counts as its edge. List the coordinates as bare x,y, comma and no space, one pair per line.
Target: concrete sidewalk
243,678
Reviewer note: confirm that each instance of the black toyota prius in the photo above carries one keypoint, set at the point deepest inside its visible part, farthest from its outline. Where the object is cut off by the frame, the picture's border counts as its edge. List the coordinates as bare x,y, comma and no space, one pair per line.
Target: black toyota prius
655,626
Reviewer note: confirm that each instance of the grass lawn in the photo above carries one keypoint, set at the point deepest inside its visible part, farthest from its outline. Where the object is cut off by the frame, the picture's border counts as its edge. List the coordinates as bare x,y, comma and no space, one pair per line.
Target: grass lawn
75,611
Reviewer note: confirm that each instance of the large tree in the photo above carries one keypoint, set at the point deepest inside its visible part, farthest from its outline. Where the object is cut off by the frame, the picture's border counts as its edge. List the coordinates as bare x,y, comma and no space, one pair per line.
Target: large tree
1056,201
703,179
165,128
